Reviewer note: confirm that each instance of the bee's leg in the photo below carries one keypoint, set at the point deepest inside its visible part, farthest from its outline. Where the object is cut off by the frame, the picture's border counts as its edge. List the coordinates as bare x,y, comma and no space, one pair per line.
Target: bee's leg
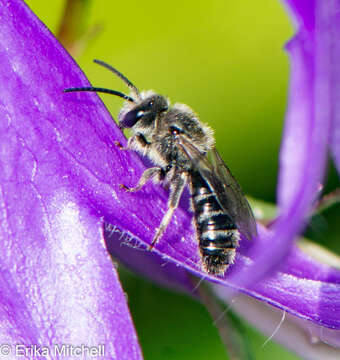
120,146
146,176
137,143
140,144
176,190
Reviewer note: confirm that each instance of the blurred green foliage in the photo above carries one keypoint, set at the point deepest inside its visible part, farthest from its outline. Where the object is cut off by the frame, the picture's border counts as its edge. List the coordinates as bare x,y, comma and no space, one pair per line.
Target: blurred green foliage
225,59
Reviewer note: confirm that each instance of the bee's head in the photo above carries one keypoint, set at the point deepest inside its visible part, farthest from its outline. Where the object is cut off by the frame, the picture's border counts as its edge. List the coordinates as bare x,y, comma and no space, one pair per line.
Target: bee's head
141,108
144,111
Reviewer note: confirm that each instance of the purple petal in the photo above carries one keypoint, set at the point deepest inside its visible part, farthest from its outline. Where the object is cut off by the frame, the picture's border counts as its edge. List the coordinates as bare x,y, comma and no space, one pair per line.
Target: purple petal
312,100
57,281
335,83
304,338
302,286
303,12
307,128
126,248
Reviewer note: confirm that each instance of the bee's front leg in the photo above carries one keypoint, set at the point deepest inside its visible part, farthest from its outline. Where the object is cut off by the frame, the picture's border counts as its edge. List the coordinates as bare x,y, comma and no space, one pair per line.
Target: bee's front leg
137,143
146,176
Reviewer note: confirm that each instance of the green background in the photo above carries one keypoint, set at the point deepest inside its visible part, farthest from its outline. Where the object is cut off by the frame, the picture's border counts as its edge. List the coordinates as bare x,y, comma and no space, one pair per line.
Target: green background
225,59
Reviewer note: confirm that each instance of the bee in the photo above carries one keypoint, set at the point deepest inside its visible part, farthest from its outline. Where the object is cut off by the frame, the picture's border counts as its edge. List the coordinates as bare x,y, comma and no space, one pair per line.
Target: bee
182,150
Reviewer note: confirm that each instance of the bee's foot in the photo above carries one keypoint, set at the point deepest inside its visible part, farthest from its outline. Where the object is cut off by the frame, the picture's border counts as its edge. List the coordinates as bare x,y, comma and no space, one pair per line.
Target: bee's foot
120,146
125,188
130,189
151,246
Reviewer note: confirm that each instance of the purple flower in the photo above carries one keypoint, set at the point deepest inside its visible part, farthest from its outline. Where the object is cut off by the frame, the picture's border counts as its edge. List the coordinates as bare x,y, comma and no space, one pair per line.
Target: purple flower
58,284
60,176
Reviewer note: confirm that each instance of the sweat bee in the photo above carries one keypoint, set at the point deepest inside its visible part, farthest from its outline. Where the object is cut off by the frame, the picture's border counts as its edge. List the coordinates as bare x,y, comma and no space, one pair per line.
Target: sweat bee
183,153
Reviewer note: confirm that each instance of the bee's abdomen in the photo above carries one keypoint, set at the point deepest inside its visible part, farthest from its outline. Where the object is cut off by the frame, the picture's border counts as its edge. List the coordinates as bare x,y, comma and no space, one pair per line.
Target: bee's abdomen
217,233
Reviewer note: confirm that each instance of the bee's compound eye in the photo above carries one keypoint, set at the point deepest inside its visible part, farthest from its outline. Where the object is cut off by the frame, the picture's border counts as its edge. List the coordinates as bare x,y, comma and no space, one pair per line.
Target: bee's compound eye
130,118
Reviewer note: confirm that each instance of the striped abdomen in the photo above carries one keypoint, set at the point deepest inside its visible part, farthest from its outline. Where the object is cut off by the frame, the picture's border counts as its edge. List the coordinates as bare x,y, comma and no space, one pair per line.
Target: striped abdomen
217,233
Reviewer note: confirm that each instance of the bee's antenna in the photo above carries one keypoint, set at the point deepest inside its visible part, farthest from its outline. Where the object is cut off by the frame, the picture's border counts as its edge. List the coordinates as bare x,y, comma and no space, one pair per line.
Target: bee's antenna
101,90
115,71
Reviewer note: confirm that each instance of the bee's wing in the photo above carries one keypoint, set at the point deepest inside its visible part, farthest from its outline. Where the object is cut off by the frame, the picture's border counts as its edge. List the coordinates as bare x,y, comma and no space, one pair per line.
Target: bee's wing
221,180
232,197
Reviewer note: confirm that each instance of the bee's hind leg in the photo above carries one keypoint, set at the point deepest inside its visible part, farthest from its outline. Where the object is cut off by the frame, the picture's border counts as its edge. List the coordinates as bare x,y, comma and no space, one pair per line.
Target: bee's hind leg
176,190
146,176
